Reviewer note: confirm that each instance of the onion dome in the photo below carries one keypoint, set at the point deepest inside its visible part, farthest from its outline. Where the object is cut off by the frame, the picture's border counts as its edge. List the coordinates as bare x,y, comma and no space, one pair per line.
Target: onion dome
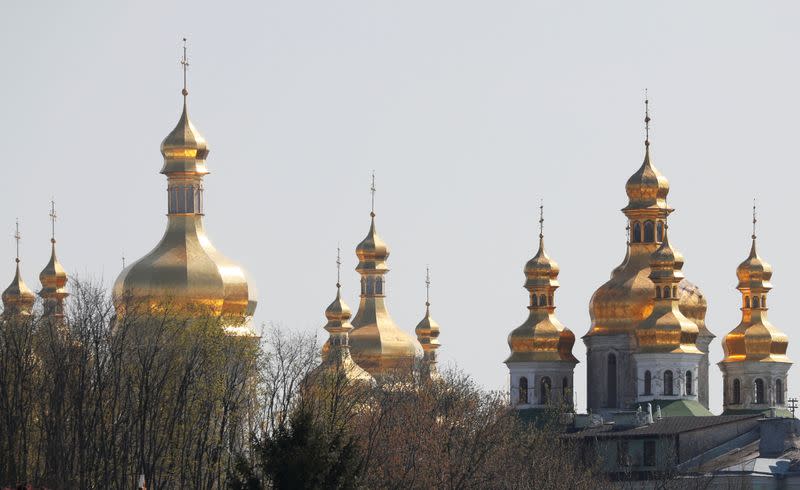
428,337
372,252
542,337
17,297
626,299
377,343
647,188
338,360
667,329
185,272
53,277
755,338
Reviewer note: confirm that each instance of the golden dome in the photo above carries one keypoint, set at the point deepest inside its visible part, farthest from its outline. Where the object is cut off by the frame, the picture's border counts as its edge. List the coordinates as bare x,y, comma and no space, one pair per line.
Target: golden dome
427,331
372,252
755,338
376,342
542,337
18,297
647,188
338,359
53,277
626,299
184,270
667,329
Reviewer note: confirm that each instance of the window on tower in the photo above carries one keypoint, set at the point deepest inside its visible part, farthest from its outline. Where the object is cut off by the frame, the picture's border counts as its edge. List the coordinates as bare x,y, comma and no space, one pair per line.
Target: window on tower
668,385
737,392
523,390
778,391
688,382
649,232
660,231
544,390
379,285
648,383
759,388
755,301
747,301
637,232
542,300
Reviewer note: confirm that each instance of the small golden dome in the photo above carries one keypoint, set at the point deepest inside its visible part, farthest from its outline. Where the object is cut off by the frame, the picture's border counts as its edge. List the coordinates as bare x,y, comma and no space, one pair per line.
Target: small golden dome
53,277
428,331
667,329
542,337
372,252
755,338
18,297
184,149
754,272
338,314
647,188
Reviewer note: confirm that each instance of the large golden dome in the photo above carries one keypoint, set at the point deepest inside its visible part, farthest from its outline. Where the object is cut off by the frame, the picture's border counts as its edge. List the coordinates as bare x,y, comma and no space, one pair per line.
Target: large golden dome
755,338
542,337
185,270
626,299
376,343
17,297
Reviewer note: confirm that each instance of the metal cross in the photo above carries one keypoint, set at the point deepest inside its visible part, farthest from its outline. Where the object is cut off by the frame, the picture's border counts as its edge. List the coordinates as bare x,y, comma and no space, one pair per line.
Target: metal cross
372,190
338,265
185,64
53,217
646,118
427,286
17,238
541,219
755,220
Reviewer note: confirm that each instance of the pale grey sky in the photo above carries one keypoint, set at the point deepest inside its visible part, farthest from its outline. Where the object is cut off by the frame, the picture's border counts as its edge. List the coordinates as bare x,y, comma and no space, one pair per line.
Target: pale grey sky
469,112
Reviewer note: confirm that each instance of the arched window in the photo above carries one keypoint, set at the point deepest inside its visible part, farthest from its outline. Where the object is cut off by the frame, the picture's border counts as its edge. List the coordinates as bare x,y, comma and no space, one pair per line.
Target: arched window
688,382
658,293
666,292
379,285
565,390
747,301
779,391
763,301
544,390
759,386
363,285
523,390
755,301
637,232
660,231
611,381
668,388
534,300
649,232
542,300
737,392
370,285
648,383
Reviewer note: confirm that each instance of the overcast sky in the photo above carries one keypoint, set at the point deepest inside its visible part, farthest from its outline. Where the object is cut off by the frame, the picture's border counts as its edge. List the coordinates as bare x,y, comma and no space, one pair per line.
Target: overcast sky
468,111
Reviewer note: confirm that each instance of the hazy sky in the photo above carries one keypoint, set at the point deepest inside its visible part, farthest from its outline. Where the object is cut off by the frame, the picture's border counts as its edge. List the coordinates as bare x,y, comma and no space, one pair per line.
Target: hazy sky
469,112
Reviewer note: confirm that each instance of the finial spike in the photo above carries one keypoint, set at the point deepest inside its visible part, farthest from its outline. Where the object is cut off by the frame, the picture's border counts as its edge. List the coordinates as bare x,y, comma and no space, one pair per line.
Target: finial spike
541,218
427,286
755,219
123,259
372,191
185,65
338,266
17,238
646,118
53,217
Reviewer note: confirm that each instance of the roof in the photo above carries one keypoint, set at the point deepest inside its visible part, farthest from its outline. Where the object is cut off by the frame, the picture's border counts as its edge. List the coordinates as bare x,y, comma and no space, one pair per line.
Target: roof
662,427
676,408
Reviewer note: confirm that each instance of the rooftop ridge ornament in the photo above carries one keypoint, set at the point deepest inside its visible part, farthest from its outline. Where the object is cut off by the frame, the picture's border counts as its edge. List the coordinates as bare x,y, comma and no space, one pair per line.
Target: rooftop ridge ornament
755,219
185,65
646,119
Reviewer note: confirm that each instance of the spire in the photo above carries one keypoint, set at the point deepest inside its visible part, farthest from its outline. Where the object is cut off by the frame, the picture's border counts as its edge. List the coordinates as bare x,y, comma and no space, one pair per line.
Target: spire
646,120
372,192
17,298
372,252
647,189
541,219
53,277
427,331
338,267
185,65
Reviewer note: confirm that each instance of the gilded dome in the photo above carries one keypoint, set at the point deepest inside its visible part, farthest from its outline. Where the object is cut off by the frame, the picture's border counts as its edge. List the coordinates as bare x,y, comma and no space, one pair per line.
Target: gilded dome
372,252
428,331
184,270
647,188
755,338
666,329
53,277
17,297
542,337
